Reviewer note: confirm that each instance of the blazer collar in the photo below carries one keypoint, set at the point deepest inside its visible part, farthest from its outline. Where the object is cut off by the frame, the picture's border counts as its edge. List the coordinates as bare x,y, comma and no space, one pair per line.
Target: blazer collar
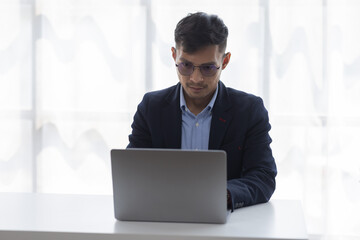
221,117
171,118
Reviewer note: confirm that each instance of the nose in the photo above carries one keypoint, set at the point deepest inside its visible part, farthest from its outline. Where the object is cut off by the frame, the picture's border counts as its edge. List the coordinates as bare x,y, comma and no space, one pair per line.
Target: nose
196,76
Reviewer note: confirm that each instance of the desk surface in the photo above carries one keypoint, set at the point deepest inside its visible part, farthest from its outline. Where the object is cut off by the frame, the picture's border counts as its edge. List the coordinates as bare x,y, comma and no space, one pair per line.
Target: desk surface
55,216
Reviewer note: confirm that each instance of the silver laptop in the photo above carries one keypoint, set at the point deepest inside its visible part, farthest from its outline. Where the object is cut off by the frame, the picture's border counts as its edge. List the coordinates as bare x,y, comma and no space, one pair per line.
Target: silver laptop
169,185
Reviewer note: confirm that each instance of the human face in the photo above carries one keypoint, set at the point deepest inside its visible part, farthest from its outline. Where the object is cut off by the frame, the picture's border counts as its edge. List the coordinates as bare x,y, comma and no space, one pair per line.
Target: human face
199,89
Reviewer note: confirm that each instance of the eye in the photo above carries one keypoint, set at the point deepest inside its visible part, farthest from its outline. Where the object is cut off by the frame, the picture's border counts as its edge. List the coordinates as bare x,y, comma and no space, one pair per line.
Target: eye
207,67
187,64
210,67
208,70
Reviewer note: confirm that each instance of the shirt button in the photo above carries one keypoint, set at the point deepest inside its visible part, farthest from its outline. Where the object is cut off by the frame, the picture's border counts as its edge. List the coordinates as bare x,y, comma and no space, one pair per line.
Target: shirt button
197,124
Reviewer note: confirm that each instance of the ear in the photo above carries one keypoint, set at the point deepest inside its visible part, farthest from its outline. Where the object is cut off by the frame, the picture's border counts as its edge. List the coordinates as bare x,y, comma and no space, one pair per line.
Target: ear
173,50
226,60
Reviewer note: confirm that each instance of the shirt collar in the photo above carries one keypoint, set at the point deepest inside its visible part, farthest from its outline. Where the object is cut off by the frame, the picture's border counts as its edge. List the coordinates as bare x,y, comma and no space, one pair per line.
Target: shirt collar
183,105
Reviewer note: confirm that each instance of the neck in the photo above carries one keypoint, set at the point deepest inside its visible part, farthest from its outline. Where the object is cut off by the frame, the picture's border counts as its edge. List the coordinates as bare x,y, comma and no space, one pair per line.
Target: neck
197,105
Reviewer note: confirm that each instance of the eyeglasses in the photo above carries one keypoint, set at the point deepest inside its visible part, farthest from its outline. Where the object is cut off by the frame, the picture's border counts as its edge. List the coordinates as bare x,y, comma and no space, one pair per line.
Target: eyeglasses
187,68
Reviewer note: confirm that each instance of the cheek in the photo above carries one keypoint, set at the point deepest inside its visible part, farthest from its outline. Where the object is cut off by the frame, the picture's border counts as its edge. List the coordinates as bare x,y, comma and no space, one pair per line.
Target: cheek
214,81
182,78
179,76
217,78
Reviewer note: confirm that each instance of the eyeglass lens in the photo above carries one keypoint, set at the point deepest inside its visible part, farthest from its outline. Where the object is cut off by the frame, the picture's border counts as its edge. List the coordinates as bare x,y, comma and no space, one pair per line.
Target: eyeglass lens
188,68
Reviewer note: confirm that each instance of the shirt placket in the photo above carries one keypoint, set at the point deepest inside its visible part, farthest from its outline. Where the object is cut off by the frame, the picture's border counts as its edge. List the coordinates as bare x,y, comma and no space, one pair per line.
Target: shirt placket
197,132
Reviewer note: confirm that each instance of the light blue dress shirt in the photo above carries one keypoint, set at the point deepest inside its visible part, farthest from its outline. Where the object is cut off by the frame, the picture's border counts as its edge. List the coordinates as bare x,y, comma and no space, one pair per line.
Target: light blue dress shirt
195,130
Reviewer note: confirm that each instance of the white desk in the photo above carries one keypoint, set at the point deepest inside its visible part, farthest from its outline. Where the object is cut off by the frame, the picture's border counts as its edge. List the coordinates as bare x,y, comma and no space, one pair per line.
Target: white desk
51,216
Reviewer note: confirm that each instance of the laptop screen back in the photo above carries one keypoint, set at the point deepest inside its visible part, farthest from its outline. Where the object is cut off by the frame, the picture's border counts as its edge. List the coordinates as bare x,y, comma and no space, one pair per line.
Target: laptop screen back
170,185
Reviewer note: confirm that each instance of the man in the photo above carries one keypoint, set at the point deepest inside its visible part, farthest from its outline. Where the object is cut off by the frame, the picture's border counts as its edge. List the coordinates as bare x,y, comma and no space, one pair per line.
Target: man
201,113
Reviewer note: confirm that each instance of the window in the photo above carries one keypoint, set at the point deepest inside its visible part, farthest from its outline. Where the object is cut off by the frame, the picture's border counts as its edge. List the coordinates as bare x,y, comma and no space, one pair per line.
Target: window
73,72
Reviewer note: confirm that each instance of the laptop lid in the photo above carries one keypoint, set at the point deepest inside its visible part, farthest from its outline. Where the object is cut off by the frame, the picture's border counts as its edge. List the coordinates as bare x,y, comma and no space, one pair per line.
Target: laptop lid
169,185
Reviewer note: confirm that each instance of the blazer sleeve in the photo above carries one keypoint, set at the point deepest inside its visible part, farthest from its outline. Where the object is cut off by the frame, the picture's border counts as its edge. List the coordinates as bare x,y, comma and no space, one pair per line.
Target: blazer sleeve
258,169
140,136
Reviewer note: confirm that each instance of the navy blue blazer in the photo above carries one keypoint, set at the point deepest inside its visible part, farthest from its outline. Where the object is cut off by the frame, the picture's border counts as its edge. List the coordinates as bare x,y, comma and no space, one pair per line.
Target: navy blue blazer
239,125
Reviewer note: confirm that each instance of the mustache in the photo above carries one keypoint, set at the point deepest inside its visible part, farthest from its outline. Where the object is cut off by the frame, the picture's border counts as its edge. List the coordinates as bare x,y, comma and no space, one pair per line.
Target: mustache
196,85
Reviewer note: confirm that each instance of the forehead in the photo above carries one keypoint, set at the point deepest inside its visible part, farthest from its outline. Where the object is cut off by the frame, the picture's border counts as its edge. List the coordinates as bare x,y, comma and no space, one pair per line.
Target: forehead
208,54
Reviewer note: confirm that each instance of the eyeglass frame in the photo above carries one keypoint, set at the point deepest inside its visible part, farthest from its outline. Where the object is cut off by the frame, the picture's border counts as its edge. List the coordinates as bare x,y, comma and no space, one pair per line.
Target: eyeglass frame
200,68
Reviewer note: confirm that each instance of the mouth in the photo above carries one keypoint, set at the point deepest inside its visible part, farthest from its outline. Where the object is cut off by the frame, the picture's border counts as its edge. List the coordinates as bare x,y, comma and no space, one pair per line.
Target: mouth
197,88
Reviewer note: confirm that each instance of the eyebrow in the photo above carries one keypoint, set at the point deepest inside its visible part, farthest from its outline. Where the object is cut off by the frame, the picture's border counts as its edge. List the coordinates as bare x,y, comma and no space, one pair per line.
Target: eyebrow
208,63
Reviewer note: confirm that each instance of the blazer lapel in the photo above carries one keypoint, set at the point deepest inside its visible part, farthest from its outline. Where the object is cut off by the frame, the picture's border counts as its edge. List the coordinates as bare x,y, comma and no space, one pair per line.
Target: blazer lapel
171,117
221,118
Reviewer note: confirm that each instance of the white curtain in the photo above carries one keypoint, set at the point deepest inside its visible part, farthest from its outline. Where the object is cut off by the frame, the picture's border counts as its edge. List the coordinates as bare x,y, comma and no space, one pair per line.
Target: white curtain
73,71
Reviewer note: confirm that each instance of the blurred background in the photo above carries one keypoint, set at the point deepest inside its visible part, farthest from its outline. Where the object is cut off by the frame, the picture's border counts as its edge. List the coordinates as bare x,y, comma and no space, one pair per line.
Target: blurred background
73,71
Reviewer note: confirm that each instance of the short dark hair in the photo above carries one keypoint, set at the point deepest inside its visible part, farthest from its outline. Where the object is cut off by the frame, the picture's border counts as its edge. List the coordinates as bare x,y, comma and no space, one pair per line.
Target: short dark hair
198,30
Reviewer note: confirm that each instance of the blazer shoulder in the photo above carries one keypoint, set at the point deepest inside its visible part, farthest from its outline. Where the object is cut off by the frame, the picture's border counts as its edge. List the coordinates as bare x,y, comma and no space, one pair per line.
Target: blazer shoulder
243,98
159,96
